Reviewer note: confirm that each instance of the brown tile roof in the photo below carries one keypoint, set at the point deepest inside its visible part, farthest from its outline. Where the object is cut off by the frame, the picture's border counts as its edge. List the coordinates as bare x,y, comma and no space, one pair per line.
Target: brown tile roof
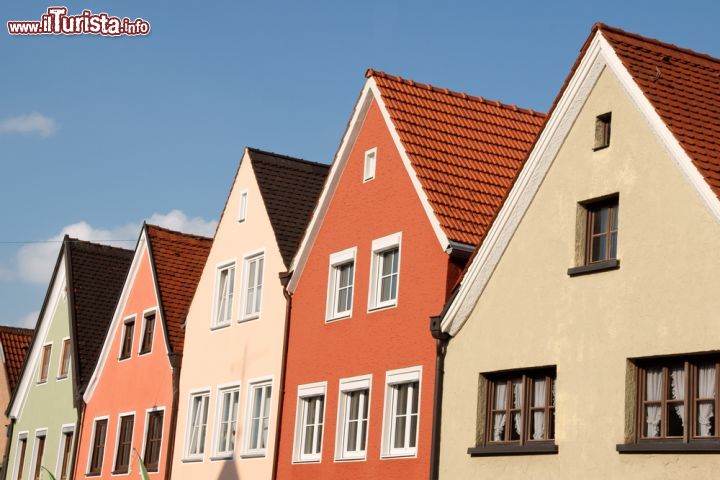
15,345
97,275
684,88
290,188
178,259
465,150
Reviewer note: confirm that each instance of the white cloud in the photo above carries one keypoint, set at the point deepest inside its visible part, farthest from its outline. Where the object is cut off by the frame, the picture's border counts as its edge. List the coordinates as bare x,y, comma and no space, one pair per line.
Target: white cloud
30,123
35,261
29,320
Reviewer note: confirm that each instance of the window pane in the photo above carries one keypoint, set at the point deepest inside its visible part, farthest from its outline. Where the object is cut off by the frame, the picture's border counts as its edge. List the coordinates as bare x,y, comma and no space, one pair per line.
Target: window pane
613,245
706,384
401,404
600,220
675,414
399,440
614,225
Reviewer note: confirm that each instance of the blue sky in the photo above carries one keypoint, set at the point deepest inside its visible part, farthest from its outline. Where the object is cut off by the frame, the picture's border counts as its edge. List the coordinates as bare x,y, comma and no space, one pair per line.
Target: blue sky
126,129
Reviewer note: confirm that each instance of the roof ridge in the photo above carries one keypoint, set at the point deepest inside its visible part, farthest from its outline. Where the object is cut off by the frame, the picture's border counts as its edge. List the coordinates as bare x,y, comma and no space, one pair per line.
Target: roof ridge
704,56
105,246
288,157
178,232
376,73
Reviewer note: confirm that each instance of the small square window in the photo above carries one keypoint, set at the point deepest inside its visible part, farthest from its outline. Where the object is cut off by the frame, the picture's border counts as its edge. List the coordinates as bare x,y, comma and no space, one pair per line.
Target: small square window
224,291
148,334
353,410
310,420
252,286
369,167
602,131
242,206
127,339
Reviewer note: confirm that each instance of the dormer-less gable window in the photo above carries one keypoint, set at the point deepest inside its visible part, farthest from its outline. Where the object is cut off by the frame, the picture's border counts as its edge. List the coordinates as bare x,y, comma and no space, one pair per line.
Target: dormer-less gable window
340,284
242,206
224,291
602,131
369,168
384,272
127,338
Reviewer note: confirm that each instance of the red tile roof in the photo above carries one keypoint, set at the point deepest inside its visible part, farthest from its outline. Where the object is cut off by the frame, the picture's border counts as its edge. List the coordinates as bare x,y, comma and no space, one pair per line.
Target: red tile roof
178,259
15,346
684,88
465,150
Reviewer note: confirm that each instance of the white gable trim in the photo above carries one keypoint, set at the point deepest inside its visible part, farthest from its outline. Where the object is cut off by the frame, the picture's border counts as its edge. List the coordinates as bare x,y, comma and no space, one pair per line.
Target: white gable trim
369,92
141,251
57,291
599,55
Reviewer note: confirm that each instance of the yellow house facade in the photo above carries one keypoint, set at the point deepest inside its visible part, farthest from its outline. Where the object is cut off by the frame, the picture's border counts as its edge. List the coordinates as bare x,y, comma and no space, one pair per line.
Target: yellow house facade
584,338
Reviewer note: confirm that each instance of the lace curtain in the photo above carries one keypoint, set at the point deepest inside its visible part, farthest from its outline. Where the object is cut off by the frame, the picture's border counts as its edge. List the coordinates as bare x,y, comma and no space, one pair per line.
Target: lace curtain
706,389
539,388
517,403
677,389
653,393
499,418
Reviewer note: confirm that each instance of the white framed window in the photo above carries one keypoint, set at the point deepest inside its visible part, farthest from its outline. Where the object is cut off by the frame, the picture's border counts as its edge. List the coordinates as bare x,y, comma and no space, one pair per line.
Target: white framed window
197,425
369,167
385,272
123,443
402,412
224,292
253,268
226,421
242,206
258,417
38,453
353,413
65,450
45,363
20,454
341,282
97,447
310,419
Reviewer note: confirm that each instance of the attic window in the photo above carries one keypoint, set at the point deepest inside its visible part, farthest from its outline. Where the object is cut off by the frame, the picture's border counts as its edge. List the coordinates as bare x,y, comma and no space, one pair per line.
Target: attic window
242,206
602,131
369,170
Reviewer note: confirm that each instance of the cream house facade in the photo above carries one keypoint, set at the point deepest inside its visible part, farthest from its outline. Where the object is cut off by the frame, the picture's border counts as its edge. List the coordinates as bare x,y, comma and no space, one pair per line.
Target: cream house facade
235,330
583,339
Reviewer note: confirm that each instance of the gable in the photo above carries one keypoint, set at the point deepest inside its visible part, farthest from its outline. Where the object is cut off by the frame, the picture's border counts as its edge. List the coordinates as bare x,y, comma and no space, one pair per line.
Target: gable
597,55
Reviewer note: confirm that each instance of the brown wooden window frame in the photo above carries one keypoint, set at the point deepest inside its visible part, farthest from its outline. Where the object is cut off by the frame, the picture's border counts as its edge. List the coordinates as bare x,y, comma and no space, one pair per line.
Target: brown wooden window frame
97,447
38,455
65,359
524,444
593,208
148,333
45,363
67,439
124,444
20,466
690,440
153,440
603,127
127,338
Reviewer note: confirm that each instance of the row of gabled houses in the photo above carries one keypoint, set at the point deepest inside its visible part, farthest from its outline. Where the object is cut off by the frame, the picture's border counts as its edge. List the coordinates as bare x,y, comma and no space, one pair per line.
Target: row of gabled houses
445,300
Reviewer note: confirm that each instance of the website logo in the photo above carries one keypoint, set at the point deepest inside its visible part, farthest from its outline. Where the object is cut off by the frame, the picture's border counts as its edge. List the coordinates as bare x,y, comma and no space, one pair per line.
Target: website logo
56,21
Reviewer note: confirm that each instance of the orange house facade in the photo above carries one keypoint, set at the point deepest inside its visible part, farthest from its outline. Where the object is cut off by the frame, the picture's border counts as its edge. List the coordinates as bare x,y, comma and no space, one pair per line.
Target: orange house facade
131,398
390,234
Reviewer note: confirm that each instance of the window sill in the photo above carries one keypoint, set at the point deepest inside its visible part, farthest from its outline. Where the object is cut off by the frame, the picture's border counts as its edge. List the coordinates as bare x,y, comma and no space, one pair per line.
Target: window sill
221,457
253,455
603,266
501,450
219,327
305,461
601,147
249,318
698,446
380,308
192,460
339,316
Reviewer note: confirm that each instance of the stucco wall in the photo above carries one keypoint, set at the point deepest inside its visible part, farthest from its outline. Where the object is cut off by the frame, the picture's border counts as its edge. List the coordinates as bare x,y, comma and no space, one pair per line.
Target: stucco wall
130,386
367,343
662,300
48,405
240,352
